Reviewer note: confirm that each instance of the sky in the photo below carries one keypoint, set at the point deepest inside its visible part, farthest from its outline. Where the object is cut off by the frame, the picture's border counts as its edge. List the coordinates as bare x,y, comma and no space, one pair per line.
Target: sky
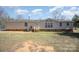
41,12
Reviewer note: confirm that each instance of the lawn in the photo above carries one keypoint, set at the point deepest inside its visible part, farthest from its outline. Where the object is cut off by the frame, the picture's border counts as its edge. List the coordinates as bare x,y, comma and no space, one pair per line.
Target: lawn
59,40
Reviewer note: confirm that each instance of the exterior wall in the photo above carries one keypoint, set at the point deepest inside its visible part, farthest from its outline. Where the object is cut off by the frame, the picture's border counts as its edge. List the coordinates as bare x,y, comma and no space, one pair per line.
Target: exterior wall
37,24
33,24
56,25
14,26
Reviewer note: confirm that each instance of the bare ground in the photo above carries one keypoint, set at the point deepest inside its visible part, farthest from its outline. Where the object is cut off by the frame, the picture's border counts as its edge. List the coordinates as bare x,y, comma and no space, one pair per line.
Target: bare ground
30,46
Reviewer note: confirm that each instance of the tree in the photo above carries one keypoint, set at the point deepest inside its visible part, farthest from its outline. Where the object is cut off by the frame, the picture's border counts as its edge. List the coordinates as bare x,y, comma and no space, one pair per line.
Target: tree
75,19
2,25
20,17
3,14
57,14
3,17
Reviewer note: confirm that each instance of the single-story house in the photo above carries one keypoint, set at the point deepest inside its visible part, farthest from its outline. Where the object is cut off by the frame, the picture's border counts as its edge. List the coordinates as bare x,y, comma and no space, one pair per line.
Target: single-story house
48,24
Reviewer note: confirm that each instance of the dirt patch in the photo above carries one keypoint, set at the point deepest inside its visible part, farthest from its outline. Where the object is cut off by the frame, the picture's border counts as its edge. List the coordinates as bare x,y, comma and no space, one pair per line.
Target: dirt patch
30,46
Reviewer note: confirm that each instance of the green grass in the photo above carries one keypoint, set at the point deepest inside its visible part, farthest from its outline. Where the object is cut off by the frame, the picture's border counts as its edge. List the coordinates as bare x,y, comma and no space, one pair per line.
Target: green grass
57,40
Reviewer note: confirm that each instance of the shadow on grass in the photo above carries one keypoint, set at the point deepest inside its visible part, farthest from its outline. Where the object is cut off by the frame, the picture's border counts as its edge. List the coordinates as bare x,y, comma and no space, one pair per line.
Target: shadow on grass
71,34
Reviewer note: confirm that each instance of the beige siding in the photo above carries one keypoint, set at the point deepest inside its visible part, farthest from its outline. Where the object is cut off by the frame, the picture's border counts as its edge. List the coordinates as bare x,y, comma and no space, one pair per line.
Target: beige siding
15,25
40,24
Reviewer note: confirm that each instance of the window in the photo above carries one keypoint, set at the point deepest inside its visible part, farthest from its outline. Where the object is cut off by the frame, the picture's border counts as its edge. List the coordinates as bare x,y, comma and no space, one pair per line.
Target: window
45,25
51,25
67,24
26,24
48,25
60,24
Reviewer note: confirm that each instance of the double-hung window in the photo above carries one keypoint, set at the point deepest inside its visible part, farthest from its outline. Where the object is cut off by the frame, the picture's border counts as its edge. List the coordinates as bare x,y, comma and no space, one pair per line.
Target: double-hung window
48,25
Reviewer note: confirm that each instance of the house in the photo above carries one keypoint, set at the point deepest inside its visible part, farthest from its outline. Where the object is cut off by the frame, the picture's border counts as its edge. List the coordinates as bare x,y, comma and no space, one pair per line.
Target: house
48,24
